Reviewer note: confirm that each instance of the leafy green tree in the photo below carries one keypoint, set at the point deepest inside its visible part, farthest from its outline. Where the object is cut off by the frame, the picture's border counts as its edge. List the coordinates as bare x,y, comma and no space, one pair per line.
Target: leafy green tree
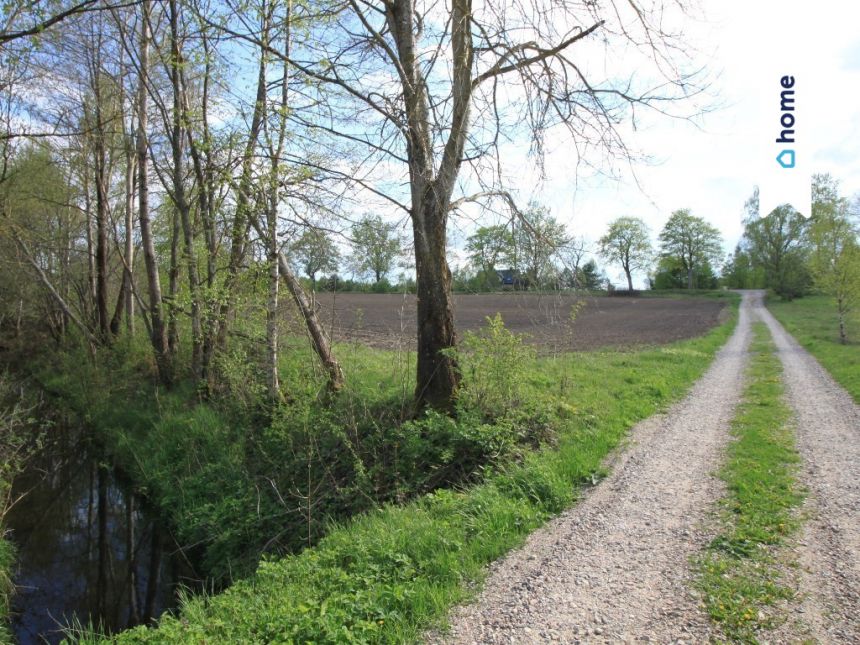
40,234
590,277
776,245
375,245
490,247
315,252
628,243
694,244
835,251
739,272
537,240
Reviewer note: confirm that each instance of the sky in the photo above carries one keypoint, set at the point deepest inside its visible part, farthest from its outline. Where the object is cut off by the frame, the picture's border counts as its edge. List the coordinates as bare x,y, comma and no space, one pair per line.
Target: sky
712,166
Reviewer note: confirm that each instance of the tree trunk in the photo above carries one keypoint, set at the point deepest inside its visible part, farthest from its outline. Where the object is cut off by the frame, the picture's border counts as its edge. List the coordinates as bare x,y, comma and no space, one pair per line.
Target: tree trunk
438,377
275,153
179,197
173,287
121,300
64,307
629,279
843,334
91,235
163,356
319,340
129,238
241,218
274,385
690,278
206,190
101,233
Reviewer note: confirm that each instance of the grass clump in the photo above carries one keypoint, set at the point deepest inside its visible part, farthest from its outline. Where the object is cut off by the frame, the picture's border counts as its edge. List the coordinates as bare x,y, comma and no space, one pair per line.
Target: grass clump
7,562
739,574
387,574
813,323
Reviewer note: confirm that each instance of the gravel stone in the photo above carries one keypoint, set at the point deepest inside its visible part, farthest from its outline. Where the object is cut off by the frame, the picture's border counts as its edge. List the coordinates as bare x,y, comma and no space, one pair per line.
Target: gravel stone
828,439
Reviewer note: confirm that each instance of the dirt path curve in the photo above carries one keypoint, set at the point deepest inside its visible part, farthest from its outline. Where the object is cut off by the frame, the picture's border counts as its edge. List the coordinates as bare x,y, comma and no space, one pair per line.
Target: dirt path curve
614,568
828,438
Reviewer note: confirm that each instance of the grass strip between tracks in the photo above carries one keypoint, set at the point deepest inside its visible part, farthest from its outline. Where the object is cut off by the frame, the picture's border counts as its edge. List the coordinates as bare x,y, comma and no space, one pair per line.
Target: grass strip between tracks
742,572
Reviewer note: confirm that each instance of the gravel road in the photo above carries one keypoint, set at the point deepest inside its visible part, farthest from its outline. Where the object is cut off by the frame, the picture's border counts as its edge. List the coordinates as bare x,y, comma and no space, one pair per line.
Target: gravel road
615,567
828,438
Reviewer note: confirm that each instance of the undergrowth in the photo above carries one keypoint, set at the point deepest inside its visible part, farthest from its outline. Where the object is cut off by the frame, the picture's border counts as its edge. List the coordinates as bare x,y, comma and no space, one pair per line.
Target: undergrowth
741,573
476,489
19,440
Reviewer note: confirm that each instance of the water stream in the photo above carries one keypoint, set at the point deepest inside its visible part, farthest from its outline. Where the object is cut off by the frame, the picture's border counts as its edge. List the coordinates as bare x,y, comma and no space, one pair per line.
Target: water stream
88,549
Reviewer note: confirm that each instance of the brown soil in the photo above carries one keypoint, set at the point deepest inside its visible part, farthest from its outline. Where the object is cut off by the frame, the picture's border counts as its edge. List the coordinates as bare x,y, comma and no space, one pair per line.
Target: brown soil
388,320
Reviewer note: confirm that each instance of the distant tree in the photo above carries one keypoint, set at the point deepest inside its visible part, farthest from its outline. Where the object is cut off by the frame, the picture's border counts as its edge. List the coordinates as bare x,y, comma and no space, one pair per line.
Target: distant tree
628,243
375,245
693,243
739,272
490,247
835,251
538,238
590,277
776,245
315,253
671,274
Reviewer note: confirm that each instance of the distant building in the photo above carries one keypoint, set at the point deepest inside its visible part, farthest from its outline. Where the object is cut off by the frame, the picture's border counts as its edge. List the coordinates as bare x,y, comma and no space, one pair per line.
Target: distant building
510,279
507,277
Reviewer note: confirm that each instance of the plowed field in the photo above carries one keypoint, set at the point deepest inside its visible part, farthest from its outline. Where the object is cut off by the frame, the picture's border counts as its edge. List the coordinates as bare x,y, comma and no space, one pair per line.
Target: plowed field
388,320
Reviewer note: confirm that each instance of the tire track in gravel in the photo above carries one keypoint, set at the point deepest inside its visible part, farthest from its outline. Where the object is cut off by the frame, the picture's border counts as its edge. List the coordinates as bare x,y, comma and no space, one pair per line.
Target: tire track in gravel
614,568
828,439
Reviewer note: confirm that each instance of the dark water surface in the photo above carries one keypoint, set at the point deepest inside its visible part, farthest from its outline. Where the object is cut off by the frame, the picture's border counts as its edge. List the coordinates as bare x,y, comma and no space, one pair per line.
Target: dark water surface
87,549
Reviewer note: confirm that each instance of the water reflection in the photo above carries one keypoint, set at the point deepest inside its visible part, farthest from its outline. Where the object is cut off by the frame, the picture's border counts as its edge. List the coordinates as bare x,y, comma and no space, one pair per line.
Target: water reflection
87,551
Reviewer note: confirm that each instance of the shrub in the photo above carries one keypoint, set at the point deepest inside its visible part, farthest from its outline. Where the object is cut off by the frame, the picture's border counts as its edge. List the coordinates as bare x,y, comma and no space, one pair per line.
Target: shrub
491,362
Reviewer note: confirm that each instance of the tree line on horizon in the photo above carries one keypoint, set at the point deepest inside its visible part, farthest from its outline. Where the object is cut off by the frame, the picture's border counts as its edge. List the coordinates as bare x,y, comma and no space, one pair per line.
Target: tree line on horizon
793,255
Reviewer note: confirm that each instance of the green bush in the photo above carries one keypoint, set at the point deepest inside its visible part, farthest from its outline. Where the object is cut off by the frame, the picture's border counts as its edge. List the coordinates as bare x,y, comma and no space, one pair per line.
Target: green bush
491,361
7,562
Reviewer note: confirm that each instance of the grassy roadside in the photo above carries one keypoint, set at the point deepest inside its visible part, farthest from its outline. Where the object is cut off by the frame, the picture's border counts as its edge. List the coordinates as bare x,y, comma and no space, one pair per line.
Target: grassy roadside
813,323
739,575
388,574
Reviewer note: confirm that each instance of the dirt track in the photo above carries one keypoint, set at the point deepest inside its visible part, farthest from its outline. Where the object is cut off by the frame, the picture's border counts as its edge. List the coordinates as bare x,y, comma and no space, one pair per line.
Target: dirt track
828,437
615,568
388,320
